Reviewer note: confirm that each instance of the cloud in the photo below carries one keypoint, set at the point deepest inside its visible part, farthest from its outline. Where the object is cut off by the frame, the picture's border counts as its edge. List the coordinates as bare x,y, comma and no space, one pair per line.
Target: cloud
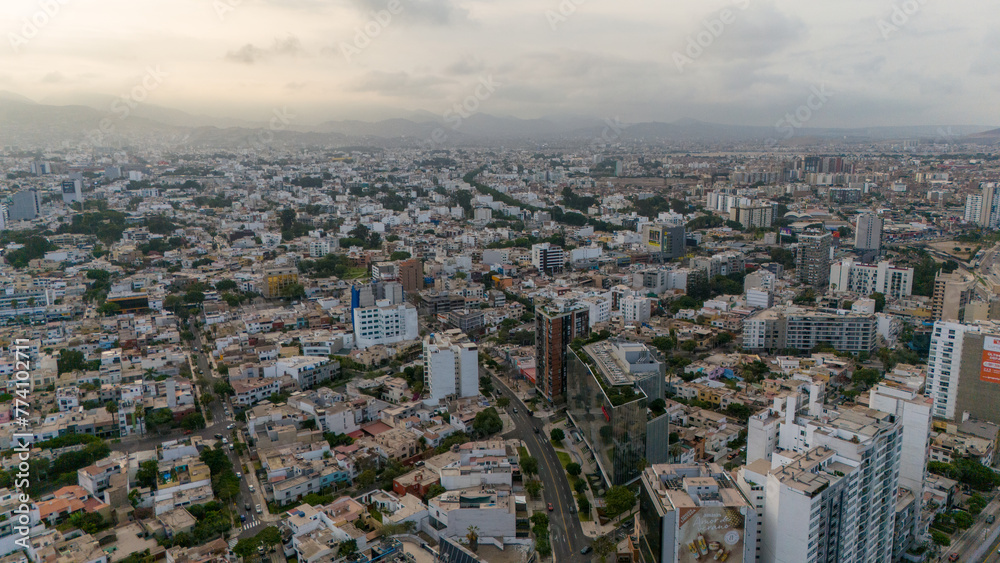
250,54
429,12
54,78
401,85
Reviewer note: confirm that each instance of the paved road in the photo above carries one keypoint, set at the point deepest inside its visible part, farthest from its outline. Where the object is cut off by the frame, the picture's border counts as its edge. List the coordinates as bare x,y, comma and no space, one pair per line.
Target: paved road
250,522
566,532
972,539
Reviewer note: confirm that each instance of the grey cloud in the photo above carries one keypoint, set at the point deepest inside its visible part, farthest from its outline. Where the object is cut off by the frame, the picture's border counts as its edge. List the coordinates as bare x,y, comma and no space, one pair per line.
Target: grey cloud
430,12
465,67
250,53
54,78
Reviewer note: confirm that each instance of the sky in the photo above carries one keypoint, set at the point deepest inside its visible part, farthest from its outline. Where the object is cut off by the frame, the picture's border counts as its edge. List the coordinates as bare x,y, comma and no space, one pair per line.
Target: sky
849,63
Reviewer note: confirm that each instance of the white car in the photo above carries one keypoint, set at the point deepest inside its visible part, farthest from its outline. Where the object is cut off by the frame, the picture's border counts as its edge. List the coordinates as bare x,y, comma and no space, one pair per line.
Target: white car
251,488
239,475
225,441
258,509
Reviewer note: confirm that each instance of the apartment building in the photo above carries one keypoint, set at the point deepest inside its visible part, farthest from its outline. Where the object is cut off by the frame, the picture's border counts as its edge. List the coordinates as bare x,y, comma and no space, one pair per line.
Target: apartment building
451,366
848,276
803,329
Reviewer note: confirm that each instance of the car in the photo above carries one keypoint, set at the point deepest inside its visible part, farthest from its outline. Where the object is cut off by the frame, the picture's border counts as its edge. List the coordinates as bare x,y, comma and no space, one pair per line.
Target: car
953,557
260,549
243,517
586,550
991,519
246,505
239,475
230,427
218,436
258,509
551,508
537,431
187,432
225,440
231,448
251,488
515,410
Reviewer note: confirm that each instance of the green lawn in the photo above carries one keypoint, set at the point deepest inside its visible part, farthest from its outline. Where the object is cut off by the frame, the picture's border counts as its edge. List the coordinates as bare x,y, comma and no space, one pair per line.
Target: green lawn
564,458
356,273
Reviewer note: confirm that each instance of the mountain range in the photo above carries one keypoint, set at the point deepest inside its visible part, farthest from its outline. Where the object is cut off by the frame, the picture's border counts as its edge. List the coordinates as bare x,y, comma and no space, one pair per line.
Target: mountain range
25,122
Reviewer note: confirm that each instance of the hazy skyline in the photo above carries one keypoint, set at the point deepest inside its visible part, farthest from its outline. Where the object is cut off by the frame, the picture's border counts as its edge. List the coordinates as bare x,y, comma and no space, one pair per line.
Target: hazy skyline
756,62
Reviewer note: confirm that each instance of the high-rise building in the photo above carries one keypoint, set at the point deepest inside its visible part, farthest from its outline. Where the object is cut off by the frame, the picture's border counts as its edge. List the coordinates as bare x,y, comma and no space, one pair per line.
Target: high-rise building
753,216
557,324
804,329
691,513
608,399
669,242
868,236
952,293
847,276
812,262
989,216
451,366
277,279
548,258
411,275
831,492
72,190
913,410
963,371
973,209
24,206
384,324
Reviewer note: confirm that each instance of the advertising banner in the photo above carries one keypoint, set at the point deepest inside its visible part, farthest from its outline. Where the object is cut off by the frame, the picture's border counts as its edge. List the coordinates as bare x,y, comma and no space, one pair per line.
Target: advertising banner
989,370
711,534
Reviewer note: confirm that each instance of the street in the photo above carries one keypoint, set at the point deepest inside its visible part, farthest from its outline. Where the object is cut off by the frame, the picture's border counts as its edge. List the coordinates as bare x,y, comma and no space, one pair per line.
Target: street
566,532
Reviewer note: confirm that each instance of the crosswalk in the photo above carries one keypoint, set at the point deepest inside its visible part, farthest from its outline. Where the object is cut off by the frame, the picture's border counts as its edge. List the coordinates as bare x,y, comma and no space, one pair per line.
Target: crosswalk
250,523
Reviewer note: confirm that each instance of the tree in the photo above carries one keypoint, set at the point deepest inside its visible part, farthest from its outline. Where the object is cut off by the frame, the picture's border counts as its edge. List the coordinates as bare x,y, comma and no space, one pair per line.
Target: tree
689,346
207,399
940,538
147,474
557,435
347,548
473,536
293,291
226,285
540,520
399,255
366,478
503,402
879,301
584,504
434,490
533,488
487,422
287,218
580,486
529,466
866,376
193,421
603,547
618,500
109,309
574,469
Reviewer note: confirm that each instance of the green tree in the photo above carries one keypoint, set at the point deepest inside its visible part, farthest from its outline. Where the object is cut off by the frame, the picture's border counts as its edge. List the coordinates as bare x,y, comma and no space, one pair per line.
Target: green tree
574,469
557,435
147,474
879,301
366,478
487,422
866,376
434,490
529,466
584,504
618,500
193,421
940,538
603,547
347,548
503,402
533,488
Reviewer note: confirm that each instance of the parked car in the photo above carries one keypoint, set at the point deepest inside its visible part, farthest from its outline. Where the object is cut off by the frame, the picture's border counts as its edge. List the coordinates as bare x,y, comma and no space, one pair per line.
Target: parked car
251,488
230,427
586,550
550,507
246,505
258,509
991,519
218,436
243,517
225,440
239,474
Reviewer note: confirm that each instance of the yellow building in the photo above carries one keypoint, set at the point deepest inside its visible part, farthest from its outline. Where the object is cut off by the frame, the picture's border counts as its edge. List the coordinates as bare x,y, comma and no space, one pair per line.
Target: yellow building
275,280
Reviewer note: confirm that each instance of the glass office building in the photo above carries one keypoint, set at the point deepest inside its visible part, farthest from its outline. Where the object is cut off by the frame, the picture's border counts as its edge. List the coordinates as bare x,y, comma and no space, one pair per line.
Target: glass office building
608,404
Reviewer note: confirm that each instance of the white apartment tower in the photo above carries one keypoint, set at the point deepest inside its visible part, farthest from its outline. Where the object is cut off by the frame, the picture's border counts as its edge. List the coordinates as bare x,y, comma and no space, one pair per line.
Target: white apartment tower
384,324
943,365
973,208
865,279
451,366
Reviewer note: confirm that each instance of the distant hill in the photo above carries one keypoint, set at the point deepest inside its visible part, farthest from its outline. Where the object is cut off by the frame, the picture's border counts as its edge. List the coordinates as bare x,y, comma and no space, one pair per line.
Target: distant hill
24,121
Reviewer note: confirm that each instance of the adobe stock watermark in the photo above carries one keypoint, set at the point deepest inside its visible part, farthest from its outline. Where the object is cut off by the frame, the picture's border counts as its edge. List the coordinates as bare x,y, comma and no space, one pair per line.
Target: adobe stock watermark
124,104
459,112
281,118
32,25
702,40
611,133
373,28
225,7
899,17
792,121
563,12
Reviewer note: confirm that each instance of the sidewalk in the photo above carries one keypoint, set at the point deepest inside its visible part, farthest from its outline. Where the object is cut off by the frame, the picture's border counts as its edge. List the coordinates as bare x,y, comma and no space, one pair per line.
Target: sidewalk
593,528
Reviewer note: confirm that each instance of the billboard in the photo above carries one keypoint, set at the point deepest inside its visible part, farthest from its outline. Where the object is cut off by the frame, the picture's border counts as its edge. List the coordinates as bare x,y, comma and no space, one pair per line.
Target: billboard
989,369
711,534
654,237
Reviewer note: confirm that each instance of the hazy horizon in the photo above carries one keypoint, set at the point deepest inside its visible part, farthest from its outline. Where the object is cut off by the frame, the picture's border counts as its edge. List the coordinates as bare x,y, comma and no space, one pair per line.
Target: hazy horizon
848,64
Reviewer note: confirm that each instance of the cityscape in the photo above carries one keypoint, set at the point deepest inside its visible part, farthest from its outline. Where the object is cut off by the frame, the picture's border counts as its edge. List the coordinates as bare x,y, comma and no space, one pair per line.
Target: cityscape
445,282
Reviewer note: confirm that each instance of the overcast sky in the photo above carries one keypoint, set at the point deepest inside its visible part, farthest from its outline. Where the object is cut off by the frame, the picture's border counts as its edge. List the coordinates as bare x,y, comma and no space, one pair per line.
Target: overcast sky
593,58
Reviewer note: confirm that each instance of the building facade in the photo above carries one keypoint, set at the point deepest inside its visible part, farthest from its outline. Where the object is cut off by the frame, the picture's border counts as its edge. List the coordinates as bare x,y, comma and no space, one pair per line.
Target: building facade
556,325
812,262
